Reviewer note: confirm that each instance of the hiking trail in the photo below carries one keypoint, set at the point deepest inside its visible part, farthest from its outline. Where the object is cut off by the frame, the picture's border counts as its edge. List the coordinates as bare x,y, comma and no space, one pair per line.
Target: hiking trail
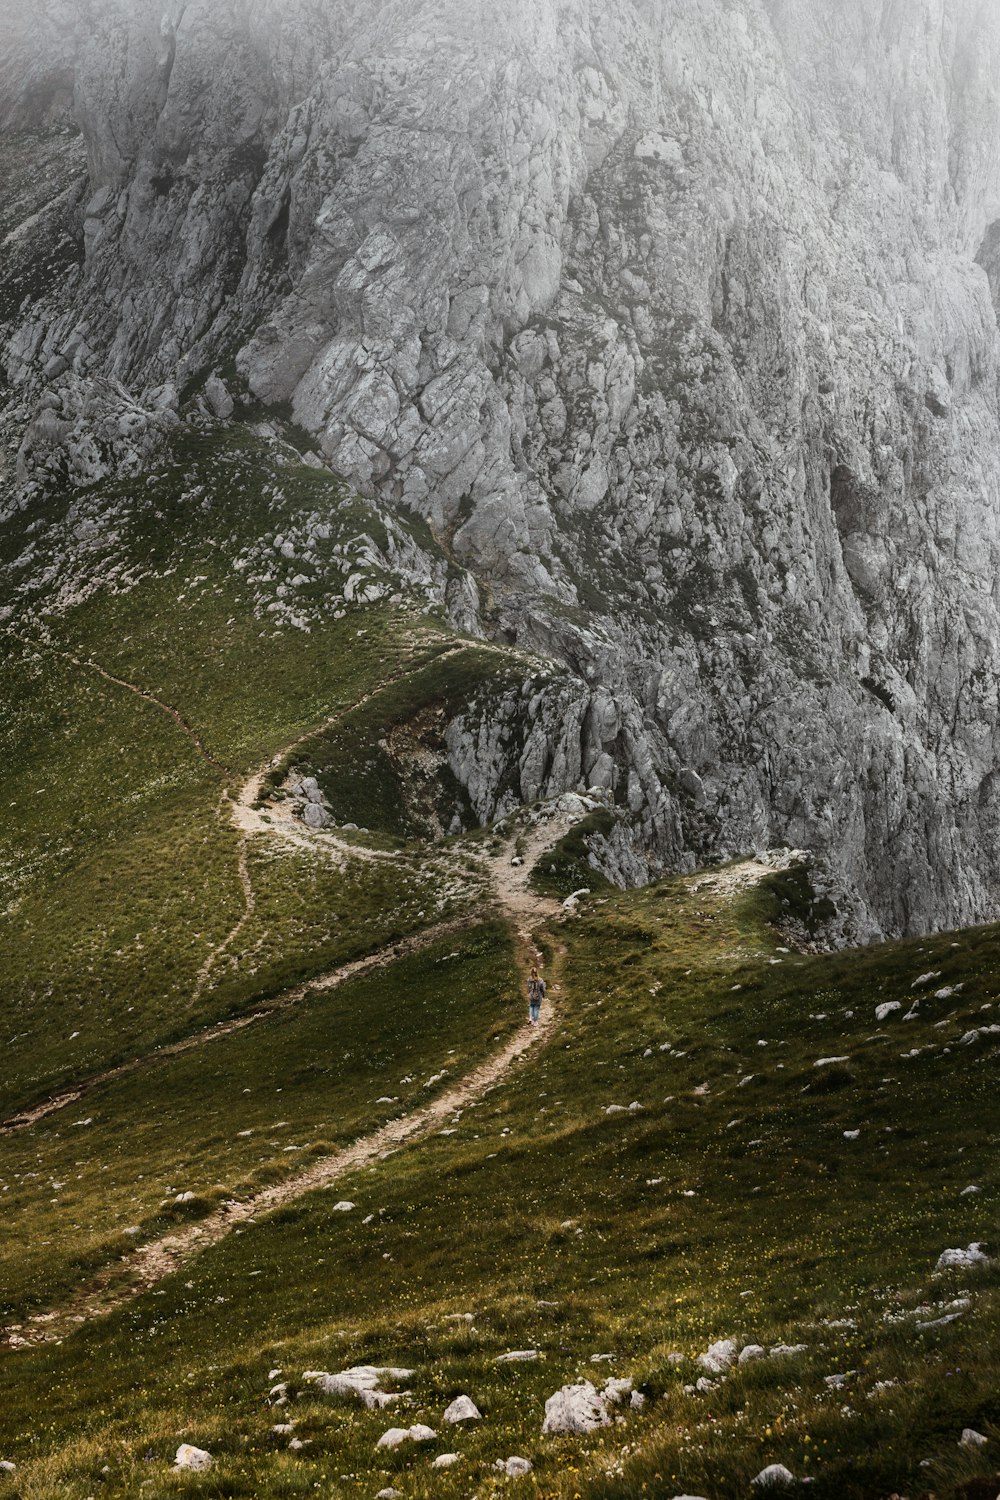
507,876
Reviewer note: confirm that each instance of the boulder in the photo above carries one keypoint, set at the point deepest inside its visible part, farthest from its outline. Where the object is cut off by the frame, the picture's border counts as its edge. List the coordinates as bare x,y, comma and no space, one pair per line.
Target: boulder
415,1434
962,1259
462,1409
363,1381
719,1357
514,1468
576,1408
972,1439
191,1458
773,1477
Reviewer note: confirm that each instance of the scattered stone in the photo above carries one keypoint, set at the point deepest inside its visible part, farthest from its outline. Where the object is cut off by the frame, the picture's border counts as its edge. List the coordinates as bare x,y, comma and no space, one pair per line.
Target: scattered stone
962,1259
363,1381
972,1439
343,1207
719,1357
967,1192
772,1476
446,1460
779,1351
615,1391
576,1408
517,1355
827,1062
396,1435
883,1011
194,1459
752,1352
637,1401
462,1409
938,1322
6,1467
514,1468
389,1494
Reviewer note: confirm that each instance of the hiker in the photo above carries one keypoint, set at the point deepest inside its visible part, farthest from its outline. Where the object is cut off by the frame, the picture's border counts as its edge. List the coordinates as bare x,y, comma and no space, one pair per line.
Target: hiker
536,994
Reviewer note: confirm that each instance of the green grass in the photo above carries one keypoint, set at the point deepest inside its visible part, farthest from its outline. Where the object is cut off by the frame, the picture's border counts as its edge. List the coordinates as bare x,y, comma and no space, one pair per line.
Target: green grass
383,766
542,1198
567,868
247,1109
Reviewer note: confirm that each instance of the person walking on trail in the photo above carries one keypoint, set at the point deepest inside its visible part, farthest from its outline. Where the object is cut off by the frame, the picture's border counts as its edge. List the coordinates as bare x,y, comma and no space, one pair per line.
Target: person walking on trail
536,994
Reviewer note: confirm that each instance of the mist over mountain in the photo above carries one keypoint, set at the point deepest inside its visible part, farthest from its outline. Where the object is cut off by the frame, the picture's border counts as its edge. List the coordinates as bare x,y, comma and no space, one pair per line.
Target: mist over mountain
676,325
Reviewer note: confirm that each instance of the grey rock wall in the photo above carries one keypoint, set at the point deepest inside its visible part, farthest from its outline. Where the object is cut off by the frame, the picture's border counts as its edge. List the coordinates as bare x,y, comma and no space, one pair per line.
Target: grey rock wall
676,322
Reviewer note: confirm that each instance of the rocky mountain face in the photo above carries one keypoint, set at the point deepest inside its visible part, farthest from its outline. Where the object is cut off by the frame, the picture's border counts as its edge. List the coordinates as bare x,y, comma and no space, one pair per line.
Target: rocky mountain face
676,323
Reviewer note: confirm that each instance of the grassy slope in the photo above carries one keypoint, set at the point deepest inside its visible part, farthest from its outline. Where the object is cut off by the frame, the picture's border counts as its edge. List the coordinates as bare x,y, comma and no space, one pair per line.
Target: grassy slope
720,1207
540,1198
115,837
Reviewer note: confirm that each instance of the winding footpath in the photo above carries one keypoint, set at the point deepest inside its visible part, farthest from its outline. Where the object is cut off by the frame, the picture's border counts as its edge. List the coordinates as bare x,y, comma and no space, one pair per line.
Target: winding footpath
524,911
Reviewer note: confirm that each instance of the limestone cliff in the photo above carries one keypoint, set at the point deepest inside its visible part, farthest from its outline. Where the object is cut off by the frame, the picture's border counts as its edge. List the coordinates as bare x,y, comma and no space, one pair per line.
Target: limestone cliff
677,323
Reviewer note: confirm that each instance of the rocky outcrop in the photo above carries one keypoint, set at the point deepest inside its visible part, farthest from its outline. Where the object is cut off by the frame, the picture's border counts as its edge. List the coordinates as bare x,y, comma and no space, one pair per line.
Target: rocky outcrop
677,324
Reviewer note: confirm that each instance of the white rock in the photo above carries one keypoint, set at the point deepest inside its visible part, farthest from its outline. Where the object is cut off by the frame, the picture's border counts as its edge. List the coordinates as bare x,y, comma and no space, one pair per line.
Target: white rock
389,1494
396,1435
446,1460
962,1259
194,1459
343,1207
968,1191
719,1357
784,1351
392,1437
886,1009
514,1468
637,1401
826,1062
922,979
6,1467
972,1439
774,1475
576,1408
615,1391
851,1135
363,1381
516,1355
752,1352
462,1409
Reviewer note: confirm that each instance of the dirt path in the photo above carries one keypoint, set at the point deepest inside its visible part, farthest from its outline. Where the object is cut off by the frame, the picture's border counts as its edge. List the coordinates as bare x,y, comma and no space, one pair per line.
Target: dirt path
85,664
507,874
149,1264
278,822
